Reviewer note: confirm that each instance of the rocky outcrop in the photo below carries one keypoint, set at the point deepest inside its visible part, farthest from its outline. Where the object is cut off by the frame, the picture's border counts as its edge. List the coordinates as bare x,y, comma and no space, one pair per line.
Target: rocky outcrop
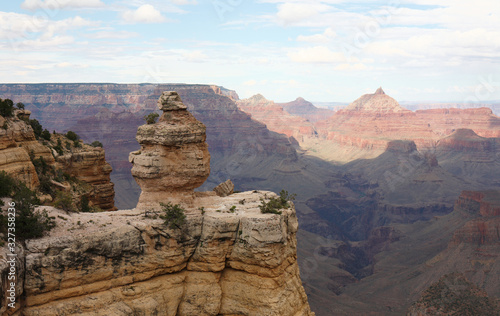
276,119
17,142
466,140
225,188
307,110
174,158
377,102
226,258
89,165
18,146
453,294
484,228
223,261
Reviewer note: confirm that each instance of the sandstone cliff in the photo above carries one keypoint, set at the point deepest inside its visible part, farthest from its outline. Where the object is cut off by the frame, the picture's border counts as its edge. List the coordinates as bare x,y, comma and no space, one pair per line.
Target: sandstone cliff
17,141
228,258
277,119
174,157
19,146
127,263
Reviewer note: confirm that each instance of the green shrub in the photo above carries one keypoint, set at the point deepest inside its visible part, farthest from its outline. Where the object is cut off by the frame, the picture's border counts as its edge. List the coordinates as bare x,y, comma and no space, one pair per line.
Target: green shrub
37,127
64,201
77,144
5,125
274,205
72,136
46,135
174,215
6,184
45,185
29,223
41,167
151,118
96,143
58,148
6,108
20,106
84,204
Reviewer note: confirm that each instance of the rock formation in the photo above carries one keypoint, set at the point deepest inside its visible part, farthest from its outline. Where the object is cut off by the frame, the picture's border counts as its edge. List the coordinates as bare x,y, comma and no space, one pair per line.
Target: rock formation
86,163
377,102
17,142
89,165
276,118
453,294
222,262
228,258
307,110
174,158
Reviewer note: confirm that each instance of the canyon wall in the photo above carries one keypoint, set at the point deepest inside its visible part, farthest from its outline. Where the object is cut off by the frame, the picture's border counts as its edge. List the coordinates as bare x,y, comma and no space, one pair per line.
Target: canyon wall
86,163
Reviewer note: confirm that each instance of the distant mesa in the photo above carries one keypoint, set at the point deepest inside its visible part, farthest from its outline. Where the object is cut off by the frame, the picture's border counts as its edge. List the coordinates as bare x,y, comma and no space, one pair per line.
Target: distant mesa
376,102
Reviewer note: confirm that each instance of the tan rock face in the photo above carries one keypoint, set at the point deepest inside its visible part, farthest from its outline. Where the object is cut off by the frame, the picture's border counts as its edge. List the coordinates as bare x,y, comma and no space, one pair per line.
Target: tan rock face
89,165
221,262
174,158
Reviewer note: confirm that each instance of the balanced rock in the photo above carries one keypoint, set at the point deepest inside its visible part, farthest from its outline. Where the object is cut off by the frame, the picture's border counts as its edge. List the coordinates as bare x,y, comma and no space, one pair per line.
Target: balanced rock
174,157
225,188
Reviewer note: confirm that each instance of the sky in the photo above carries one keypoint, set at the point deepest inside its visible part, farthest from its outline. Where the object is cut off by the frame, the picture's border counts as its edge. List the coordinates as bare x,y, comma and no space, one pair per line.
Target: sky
321,50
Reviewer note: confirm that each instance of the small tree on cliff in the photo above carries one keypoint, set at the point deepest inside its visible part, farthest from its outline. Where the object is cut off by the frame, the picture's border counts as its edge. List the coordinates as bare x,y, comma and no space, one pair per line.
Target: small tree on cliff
174,215
6,107
151,118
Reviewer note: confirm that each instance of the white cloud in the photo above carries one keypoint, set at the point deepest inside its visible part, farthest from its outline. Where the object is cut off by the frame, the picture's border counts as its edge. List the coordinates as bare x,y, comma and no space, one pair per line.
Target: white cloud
54,5
195,56
355,67
112,34
317,54
146,13
183,2
250,83
293,13
25,32
326,36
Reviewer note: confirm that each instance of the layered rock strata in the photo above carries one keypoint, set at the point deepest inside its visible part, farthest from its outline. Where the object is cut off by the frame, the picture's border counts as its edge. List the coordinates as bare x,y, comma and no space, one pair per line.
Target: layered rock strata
89,165
223,261
86,163
174,158
227,258
17,142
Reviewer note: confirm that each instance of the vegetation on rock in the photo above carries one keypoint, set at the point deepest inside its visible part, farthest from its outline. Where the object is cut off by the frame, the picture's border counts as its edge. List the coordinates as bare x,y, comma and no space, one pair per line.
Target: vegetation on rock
174,215
274,205
6,108
151,118
29,223
96,143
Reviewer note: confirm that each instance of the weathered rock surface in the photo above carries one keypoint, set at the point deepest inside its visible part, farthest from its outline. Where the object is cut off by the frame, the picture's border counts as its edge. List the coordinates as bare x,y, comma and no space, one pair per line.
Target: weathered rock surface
453,294
86,163
174,158
17,142
307,110
225,188
89,165
276,119
223,261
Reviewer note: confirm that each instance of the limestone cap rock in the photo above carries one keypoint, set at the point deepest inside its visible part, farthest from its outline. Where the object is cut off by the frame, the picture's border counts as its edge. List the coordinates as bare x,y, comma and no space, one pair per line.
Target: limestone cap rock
170,101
